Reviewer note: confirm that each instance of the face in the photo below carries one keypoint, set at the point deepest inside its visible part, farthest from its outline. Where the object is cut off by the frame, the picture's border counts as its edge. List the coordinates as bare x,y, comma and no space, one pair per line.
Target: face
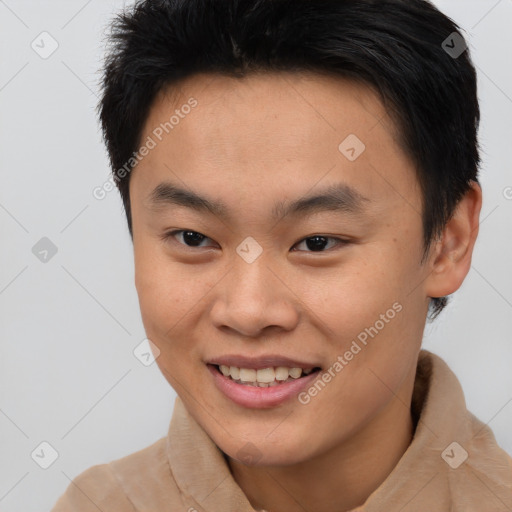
267,236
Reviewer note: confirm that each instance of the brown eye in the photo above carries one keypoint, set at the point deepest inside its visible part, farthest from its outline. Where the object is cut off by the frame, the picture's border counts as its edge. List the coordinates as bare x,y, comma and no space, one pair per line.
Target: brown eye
318,243
187,238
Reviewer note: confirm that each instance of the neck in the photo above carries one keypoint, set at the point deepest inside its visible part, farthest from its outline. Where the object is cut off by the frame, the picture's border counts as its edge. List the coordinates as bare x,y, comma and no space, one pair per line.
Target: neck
343,477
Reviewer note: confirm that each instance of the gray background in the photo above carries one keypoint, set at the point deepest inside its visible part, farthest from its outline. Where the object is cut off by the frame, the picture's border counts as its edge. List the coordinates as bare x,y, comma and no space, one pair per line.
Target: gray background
68,326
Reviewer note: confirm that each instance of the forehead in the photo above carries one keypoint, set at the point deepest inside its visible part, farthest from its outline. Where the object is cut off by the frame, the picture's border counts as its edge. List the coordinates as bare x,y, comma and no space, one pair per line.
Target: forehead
279,133
306,104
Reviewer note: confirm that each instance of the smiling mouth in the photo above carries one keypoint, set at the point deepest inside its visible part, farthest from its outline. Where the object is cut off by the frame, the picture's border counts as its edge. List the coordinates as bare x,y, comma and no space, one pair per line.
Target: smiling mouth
264,377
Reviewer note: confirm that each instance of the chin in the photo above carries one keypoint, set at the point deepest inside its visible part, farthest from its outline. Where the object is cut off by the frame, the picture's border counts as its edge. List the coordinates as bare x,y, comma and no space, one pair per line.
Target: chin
261,453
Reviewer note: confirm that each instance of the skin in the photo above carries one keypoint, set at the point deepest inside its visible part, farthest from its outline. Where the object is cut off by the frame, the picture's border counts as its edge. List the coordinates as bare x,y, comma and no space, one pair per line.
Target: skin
249,143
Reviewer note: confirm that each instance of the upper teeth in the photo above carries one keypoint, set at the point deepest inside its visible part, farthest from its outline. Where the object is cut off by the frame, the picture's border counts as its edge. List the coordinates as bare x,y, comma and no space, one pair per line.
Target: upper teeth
263,375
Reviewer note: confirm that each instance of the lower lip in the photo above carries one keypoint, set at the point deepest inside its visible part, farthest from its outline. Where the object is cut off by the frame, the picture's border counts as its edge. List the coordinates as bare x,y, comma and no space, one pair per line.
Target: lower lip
260,398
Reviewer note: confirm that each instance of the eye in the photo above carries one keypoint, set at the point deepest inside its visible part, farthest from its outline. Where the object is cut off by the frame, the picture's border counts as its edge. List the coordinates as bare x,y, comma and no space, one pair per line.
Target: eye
188,238
318,243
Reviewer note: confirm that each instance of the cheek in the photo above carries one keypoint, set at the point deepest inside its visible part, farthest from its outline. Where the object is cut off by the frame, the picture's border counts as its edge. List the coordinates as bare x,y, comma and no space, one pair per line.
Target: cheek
169,300
352,296
366,311
167,292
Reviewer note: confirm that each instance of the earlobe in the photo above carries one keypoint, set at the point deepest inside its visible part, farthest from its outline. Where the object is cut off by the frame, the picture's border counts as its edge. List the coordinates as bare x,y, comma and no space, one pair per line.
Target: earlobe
450,258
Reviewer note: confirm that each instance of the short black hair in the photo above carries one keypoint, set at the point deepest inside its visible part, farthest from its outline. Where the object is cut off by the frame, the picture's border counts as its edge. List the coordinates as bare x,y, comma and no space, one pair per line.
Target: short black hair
407,50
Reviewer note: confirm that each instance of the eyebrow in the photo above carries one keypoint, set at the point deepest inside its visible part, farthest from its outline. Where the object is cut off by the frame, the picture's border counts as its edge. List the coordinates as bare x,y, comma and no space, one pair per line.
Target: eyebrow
338,197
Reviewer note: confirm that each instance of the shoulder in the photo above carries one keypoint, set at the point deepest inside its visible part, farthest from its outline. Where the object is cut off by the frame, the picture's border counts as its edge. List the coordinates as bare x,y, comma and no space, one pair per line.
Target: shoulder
139,480
94,489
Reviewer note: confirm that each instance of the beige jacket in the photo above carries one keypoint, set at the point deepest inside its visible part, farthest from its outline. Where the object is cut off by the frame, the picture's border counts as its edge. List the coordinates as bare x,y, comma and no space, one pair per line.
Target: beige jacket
453,464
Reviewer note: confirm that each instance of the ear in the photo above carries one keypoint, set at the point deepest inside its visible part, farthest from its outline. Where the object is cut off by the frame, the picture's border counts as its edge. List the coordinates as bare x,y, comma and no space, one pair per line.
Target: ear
450,258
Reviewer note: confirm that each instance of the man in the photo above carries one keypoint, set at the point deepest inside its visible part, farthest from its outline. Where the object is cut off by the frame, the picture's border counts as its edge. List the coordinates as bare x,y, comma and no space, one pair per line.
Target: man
300,184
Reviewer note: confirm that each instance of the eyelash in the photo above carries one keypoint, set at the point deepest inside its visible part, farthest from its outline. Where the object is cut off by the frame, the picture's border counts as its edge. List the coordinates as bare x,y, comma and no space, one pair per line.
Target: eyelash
170,235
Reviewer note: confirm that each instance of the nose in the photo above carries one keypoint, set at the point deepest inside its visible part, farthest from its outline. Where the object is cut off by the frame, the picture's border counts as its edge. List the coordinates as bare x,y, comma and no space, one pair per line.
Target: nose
254,298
